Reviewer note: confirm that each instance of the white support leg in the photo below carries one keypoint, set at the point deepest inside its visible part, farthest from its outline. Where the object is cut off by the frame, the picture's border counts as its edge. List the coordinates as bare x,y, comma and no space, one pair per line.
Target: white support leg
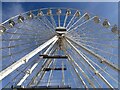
29,71
91,66
26,58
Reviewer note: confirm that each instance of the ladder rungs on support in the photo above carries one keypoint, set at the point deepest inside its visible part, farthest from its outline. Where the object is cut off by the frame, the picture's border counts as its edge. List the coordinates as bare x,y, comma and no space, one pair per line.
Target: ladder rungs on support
48,69
55,56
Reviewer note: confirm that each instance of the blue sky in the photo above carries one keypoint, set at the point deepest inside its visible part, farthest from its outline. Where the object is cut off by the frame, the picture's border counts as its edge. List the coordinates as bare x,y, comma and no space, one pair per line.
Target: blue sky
107,10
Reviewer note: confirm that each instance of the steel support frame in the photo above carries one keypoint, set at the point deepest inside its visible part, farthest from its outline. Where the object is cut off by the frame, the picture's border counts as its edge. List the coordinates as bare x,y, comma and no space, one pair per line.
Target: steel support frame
45,63
103,60
29,71
91,66
26,58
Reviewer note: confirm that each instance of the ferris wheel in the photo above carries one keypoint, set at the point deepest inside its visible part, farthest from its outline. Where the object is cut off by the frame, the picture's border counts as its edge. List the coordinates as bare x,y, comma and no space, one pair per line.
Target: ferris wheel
59,48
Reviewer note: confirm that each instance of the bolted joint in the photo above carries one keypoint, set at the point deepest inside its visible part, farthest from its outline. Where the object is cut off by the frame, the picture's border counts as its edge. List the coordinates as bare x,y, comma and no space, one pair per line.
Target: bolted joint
28,71
25,60
96,72
101,61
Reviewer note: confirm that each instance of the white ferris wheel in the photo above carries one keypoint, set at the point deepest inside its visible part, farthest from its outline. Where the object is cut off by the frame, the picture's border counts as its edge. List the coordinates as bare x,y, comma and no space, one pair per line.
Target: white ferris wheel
59,48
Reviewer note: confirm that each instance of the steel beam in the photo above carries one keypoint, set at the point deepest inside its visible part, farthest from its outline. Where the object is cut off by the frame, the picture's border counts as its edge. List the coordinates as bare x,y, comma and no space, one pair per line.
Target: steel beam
76,22
29,71
81,79
103,60
26,58
91,66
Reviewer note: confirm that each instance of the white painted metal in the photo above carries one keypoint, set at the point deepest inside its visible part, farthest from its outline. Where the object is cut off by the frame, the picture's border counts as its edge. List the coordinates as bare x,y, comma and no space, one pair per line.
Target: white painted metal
81,79
45,63
34,66
80,24
84,74
71,19
92,67
76,22
59,20
103,60
25,59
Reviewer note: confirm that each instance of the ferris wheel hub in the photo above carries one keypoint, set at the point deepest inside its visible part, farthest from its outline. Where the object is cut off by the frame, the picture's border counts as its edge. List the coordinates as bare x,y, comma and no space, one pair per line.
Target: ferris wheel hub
61,30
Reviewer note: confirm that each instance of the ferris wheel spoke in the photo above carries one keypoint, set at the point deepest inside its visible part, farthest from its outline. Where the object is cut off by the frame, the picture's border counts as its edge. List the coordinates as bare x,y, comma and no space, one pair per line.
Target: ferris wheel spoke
101,68
89,38
90,82
71,20
69,30
32,26
75,80
35,65
98,56
25,67
19,39
50,75
92,67
48,22
53,21
27,30
25,59
24,39
108,53
44,19
64,24
81,79
90,73
38,73
12,54
44,72
83,41
22,34
84,74
76,22
94,43
98,67
44,22
58,20
47,26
